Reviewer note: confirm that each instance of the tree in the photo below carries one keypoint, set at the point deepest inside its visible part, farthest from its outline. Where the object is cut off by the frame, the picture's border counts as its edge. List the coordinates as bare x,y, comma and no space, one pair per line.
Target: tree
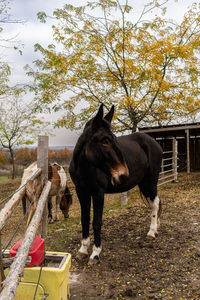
5,43
3,158
23,156
18,125
148,68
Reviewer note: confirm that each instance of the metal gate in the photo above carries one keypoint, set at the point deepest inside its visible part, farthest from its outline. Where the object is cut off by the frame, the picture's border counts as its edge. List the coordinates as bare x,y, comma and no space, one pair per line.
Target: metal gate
169,165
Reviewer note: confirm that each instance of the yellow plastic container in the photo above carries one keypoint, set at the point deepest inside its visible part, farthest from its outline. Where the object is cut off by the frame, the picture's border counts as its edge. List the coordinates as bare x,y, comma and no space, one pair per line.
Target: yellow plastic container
54,279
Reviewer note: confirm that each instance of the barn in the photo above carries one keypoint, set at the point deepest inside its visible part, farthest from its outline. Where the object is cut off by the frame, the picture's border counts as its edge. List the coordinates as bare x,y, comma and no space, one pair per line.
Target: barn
188,138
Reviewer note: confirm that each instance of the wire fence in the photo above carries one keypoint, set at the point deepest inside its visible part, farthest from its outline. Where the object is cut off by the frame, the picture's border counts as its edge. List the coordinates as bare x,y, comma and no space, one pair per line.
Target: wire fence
13,278
30,178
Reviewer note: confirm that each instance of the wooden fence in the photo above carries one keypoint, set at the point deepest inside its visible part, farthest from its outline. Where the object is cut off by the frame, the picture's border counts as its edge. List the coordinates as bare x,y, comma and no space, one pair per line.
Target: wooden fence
13,278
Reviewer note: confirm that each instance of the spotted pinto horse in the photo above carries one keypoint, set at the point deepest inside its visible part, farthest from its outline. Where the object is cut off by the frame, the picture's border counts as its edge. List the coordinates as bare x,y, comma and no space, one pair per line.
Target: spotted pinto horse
59,189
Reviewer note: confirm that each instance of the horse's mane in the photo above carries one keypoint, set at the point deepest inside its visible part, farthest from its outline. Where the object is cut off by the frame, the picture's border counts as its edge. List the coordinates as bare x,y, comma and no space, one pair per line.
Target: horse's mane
80,144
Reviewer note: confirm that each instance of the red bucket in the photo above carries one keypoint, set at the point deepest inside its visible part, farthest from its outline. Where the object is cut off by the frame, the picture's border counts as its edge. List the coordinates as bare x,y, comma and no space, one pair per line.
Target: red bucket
36,252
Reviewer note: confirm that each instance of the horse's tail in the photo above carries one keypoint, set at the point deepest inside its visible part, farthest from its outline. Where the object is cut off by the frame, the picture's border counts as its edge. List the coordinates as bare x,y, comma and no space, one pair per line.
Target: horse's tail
24,204
144,200
160,209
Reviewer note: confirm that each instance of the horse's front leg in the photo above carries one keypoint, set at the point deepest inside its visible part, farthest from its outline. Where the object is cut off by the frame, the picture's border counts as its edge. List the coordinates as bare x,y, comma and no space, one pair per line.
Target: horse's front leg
85,203
155,214
98,202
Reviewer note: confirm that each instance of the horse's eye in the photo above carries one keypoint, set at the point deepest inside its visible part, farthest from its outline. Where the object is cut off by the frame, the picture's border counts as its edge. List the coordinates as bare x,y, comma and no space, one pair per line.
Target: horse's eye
105,141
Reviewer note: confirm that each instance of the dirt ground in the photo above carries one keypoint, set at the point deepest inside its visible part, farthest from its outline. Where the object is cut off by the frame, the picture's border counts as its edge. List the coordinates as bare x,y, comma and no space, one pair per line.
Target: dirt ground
133,266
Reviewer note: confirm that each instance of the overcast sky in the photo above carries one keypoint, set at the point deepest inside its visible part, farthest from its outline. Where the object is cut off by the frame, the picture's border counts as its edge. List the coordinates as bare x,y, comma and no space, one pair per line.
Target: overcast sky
32,32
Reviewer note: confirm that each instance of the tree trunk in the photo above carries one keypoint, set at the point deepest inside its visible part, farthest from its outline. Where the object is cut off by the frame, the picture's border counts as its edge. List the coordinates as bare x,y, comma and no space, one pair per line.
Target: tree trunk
12,161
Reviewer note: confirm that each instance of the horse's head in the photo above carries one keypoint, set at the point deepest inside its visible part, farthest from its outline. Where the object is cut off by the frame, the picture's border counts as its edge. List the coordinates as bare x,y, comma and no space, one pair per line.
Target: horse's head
102,149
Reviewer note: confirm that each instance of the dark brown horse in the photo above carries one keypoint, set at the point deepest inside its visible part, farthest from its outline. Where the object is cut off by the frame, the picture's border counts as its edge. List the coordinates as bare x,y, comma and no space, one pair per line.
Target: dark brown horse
59,189
103,163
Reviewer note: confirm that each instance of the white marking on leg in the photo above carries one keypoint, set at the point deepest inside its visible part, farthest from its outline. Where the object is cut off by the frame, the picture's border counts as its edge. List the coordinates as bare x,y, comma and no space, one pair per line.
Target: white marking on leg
154,217
95,252
85,243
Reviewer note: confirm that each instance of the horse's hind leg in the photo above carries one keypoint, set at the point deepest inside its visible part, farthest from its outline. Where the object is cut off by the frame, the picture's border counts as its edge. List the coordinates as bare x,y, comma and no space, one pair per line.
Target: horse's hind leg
148,187
155,214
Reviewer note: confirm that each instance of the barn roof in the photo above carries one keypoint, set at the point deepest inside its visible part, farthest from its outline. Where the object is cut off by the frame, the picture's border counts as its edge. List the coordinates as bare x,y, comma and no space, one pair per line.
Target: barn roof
169,131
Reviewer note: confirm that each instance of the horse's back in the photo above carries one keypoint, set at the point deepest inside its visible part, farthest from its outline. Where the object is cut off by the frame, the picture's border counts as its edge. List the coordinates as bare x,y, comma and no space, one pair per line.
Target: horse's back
136,143
139,138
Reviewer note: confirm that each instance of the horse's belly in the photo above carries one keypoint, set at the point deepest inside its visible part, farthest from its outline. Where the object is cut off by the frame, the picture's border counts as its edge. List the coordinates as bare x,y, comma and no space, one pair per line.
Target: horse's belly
54,190
134,179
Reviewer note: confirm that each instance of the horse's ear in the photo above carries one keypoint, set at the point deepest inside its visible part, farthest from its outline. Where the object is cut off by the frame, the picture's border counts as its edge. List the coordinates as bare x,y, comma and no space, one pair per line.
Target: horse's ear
100,112
98,118
110,114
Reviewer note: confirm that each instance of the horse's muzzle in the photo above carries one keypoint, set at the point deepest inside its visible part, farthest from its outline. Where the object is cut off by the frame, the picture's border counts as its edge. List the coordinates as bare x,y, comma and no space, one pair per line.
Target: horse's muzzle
119,174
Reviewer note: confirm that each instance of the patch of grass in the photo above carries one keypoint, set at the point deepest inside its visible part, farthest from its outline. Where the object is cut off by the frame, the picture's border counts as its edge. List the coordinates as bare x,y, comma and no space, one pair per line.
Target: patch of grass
112,206
74,221
3,178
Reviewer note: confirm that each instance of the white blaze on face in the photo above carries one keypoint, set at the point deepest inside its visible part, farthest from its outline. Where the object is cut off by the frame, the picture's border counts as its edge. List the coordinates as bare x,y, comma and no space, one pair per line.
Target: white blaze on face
117,171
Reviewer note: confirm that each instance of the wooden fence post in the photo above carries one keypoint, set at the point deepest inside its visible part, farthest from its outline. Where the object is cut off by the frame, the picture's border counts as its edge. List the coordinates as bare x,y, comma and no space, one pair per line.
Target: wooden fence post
42,162
188,149
124,198
162,170
16,269
175,160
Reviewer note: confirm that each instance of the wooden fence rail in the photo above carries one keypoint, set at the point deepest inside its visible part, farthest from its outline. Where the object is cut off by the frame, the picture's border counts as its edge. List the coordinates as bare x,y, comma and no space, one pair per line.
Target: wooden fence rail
16,269
13,278
8,209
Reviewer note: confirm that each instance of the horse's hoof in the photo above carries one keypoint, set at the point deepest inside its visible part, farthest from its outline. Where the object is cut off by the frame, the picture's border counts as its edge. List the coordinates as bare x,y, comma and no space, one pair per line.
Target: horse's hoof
81,256
151,234
93,261
50,221
66,217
